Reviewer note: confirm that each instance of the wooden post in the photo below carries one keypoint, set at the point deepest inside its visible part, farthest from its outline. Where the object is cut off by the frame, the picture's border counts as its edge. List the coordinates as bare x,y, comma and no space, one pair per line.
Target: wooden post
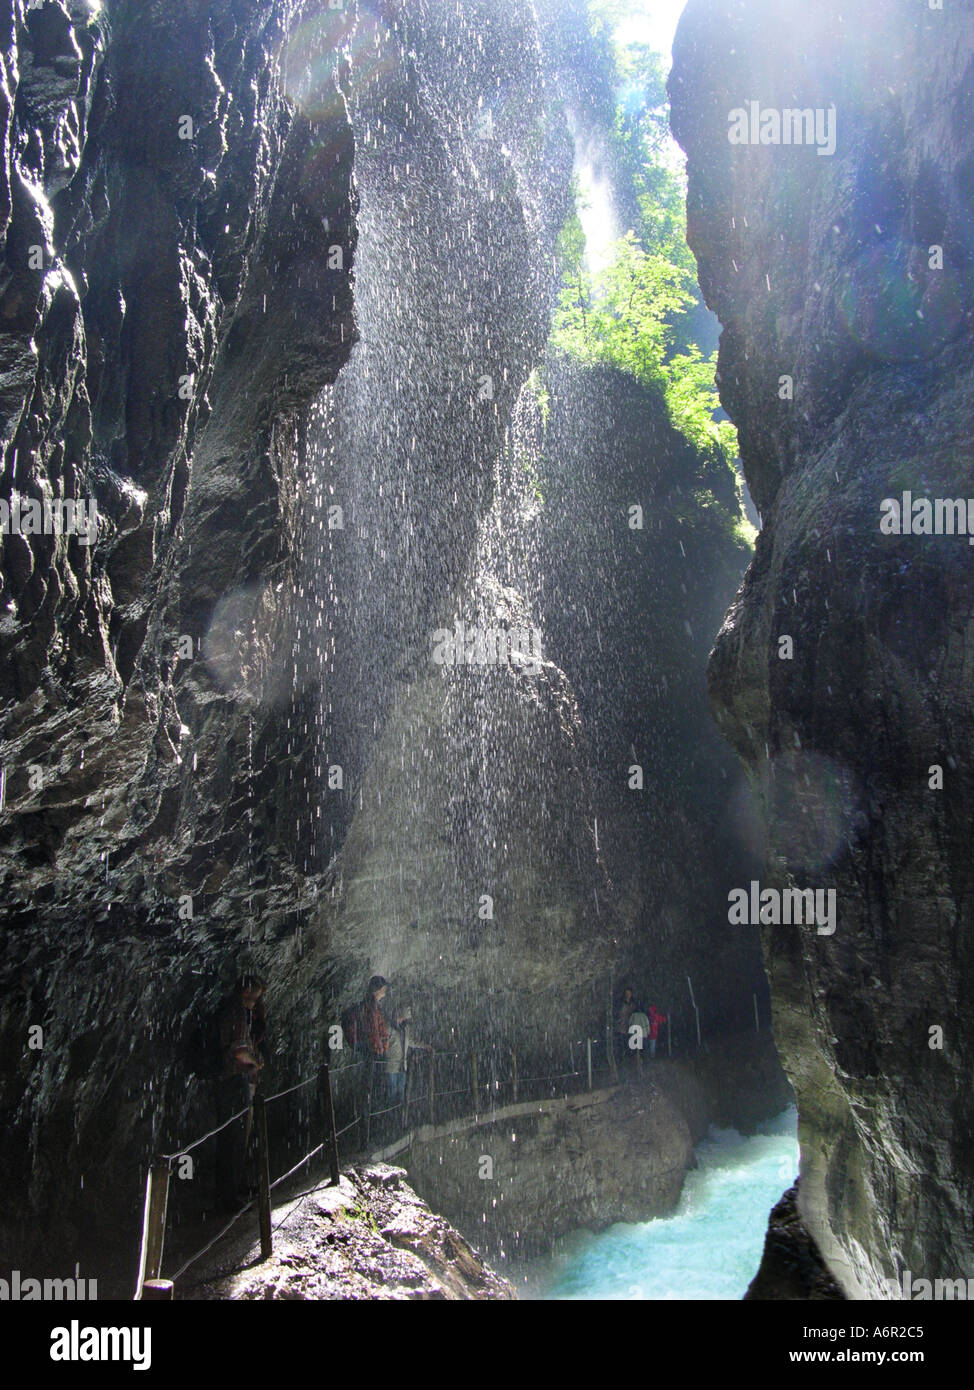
475,1082
157,1290
368,1099
514,1072
263,1178
405,1069
154,1223
331,1138
588,1060
432,1056
696,1011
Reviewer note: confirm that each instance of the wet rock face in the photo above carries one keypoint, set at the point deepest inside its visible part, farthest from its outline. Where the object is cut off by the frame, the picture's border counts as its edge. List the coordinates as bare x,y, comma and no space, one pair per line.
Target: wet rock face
823,271
586,1162
791,1266
461,854
165,389
370,1238
160,184
630,612
164,687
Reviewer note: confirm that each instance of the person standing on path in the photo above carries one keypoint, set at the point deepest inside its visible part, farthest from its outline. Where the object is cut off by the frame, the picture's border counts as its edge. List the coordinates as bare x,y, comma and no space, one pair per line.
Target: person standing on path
242,1027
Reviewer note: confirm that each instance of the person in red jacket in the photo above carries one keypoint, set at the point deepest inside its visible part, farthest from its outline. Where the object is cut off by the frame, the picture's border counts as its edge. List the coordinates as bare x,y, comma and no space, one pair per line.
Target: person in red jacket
383,1042
655,1019
373,1024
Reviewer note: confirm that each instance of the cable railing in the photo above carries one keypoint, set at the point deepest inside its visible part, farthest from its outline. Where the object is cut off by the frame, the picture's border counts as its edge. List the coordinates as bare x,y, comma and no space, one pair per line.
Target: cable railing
152,1285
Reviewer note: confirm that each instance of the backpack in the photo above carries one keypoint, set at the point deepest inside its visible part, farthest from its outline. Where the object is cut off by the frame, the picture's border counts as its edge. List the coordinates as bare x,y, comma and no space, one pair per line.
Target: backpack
352,1030
637,1019
204,1055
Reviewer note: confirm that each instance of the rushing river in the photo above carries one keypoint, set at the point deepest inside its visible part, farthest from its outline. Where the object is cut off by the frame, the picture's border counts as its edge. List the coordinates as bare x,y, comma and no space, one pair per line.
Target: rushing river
709,1248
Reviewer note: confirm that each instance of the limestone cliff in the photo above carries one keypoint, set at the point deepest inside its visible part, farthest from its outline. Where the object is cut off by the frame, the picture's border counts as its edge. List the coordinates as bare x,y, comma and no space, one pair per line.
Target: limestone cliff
170,305
844,283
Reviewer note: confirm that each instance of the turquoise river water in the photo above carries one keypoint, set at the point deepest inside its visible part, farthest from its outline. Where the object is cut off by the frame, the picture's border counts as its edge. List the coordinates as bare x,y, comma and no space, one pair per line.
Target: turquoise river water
710,1248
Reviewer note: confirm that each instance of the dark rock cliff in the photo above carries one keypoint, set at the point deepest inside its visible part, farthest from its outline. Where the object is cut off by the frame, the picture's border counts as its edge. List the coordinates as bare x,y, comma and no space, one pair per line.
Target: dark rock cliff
160,347
791,1266
630,612
825,269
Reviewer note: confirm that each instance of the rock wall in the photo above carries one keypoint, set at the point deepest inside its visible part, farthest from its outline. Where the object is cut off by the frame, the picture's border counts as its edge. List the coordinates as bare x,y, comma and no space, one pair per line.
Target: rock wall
791,1266
169,311
824,270
461,853
630,613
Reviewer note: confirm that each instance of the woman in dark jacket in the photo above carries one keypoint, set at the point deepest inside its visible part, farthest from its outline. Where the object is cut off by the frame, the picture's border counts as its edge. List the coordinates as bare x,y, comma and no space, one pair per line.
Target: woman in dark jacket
242,1027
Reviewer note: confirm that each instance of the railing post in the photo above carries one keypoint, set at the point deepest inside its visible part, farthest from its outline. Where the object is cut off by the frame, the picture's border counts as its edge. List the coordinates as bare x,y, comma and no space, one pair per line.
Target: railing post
432,1057
514,1072
154,1223
368,1099
157,1290
696,1012
331,1137
588,1060
474,1079
263,1178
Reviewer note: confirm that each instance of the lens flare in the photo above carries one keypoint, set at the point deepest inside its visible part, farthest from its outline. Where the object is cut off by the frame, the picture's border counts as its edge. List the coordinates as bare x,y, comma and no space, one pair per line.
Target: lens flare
898,307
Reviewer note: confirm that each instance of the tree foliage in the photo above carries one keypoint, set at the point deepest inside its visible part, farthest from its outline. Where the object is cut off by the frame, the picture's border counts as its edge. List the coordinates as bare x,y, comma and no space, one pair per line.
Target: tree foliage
643,313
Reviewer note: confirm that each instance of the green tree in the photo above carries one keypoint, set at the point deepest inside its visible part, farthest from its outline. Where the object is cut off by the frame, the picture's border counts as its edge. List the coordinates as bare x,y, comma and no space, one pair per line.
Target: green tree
643,313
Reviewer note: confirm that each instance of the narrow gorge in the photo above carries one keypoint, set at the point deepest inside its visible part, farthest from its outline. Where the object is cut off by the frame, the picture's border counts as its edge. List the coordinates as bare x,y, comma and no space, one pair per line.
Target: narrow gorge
411,624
